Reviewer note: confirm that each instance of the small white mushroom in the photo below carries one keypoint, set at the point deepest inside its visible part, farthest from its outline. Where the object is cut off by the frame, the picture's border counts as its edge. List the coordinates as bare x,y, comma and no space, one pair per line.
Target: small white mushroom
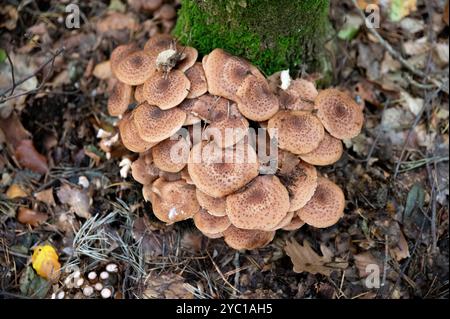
60,295
104,275
98,286
92,275
106,293
79,282
88,291
112,268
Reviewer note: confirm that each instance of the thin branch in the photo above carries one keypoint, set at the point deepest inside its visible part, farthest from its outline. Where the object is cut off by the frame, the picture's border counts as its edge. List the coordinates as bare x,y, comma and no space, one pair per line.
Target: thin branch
39,69
12,72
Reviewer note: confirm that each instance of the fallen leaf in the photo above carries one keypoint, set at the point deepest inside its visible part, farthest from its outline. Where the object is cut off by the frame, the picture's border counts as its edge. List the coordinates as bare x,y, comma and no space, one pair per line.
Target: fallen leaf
401,251
441,53
78,200
46,196
32,285
416,47
365,259
13,130
166,286
31,217
102,70
401,8
351,27
413,104
305,259
45,262
415,199
15,191
389,64
412,25
28,157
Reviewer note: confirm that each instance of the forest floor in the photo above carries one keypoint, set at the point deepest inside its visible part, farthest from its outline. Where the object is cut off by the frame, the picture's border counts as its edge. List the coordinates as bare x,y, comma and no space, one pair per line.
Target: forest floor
394,175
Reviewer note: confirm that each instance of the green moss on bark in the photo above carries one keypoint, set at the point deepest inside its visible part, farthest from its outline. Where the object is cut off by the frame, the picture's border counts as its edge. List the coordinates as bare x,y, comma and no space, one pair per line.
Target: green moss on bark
274,35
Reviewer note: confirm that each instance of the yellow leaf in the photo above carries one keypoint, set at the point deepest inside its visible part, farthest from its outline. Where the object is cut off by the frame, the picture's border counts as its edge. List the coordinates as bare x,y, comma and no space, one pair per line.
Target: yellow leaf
401,8
15,191
45,262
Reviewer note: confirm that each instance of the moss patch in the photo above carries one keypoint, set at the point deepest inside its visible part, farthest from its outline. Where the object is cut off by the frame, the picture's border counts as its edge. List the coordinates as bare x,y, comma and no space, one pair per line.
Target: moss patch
274,35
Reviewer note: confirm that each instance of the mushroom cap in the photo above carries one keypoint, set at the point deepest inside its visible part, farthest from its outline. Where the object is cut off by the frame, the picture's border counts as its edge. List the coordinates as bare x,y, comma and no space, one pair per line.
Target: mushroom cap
172,154
190,57
143,170
119,53
188,106
326,206
119,99
186,177
196,75
225,73
210,224
155,125
213,236
173,201
135,68
339,113
296,223
328,152
285,221
159,42
299,132
256,101
218,172
301,183
299,95
261,205
130,137
214,206
167,12
247,239
166,91
228,127
139,94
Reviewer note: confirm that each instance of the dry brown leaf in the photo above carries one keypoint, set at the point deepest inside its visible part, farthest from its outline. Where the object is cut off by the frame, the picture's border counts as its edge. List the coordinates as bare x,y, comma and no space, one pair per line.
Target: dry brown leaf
13,130
401,251
306,259
77,199
363,260
15,191
46,196
31,217
28,157
8,17
445,15
166,286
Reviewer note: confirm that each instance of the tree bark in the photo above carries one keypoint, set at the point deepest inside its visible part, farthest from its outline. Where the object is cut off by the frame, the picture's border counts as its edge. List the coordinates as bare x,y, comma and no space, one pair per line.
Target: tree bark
272,34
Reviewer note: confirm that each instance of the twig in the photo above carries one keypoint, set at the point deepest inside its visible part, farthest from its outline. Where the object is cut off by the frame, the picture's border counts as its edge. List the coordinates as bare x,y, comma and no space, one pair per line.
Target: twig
40,68
12,72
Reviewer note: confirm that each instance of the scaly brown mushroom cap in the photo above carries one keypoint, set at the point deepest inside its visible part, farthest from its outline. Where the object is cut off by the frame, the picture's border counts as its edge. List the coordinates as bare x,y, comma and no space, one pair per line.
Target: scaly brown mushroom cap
143,170
214,206
301,183
299,132
119,99
119,54
296,223
135,68
299,95
139,94
261,205
225,73
285,221
155,125
196,75
130,137
339,113
159,42
328,152
166,91
173,201
228,127
219,173
210,224
190,57
255,99
188,107
247,239
326,206
172,154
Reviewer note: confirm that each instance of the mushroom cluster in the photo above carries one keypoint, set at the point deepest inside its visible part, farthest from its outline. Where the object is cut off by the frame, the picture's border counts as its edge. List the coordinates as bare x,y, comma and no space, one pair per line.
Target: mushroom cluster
191,123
